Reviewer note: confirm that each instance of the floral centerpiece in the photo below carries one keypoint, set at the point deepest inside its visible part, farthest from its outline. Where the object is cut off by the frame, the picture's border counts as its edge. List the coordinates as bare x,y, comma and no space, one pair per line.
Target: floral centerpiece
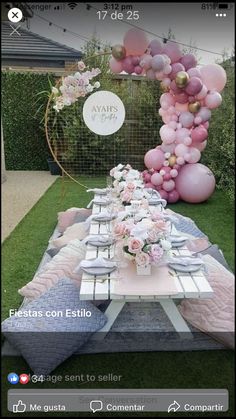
75,86
128,183
145,242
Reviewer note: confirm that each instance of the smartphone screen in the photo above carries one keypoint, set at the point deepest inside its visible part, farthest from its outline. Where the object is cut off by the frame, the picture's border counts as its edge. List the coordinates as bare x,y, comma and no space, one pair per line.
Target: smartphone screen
118,209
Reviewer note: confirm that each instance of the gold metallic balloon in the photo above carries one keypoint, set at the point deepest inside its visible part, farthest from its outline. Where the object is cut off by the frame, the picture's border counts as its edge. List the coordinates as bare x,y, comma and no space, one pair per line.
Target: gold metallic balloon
182,79
118,52
172,160
164,88
194,107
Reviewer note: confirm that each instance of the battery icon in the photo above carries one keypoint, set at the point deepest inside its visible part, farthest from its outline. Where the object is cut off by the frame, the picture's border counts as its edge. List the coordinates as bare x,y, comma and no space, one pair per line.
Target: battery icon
223,6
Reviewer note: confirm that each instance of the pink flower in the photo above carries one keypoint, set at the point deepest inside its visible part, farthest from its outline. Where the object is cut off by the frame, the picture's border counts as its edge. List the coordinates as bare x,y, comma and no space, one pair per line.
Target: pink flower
131,186
153,235
156,253
157,215
81,65
120,230
126,195
160,225
135,245
142,259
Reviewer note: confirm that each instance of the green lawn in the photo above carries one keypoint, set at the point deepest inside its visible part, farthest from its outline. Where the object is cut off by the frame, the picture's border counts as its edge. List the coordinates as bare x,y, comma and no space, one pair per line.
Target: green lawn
22,252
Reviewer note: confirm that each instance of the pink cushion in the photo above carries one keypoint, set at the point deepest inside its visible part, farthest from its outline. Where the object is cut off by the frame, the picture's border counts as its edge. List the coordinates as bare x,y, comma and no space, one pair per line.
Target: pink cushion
214,316
70,216
76,231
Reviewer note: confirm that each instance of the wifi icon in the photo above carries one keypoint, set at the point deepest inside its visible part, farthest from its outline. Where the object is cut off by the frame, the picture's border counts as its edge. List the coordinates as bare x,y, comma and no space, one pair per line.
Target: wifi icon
72,5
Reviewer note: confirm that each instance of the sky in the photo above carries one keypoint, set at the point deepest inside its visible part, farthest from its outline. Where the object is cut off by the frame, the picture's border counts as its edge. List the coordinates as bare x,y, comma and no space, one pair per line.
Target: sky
189,23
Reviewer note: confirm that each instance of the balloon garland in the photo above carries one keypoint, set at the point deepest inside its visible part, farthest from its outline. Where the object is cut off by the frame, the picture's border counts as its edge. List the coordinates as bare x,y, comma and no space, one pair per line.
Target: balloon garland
190,93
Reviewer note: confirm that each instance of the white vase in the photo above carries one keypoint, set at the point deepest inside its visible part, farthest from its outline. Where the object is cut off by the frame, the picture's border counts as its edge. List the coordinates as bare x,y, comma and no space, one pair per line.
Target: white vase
143,270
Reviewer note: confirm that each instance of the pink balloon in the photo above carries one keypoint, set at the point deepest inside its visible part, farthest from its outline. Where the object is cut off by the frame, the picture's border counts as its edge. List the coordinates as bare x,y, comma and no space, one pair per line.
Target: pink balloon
186,119
194,86
135,42
164,194
181,97
127,64
188,61
181,107
173,196
158,62
200,146
204,114
173,51
199,134
180,160
151,74
138,69
145,61
157,179
156,47
167,134
176,67
195,183
168,185
214,77
154,159
213,100
149,185
174,87
197,120
167,176
168,148
174,173
202,93
206,124
165,169
147,177
181,150
181,134
168,98
187,141
115,66
194,72
194,155
135,60
167,69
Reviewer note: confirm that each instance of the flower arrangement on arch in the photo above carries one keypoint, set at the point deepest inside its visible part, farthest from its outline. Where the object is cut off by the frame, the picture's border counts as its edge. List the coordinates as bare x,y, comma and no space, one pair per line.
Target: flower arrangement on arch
145,242
75,86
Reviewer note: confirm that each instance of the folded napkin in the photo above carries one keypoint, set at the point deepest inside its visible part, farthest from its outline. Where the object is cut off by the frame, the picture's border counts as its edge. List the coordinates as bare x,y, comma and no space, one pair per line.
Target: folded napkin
185,261
104,215
99,201
97,239
155,200
177,239
99,262
98,191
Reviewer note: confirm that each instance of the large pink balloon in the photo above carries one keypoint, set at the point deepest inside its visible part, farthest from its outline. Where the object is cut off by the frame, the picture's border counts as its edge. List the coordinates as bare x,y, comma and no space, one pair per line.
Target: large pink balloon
156,47
195,183
115,66
188,61
135,42
173,51
214,77
154,159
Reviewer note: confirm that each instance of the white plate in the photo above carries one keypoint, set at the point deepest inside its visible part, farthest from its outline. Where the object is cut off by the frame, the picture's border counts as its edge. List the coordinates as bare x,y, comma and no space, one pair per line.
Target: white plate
102,203
99,271
103,219
101,244
182,268
178,244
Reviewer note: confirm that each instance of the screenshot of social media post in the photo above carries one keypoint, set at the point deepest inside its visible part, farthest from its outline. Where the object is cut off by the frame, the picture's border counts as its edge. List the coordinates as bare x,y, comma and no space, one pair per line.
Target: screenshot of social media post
117,176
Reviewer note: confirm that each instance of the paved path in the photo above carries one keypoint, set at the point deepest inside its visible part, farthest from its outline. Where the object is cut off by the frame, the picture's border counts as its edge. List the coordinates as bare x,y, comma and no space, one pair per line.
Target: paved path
20,192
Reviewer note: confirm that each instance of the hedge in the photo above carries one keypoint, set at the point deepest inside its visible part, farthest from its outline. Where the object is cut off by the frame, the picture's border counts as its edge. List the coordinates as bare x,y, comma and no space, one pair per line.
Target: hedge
25,144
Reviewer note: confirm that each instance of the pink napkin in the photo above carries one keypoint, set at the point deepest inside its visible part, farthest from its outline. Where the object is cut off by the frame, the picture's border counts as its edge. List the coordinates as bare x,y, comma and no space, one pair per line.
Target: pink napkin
160,282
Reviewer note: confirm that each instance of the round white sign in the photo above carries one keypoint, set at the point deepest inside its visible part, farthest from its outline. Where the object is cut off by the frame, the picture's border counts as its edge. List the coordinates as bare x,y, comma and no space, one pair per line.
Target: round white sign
104,112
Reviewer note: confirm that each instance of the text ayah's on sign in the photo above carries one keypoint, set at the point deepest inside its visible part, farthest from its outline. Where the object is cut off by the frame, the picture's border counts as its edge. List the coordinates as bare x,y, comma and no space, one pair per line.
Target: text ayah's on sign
104,112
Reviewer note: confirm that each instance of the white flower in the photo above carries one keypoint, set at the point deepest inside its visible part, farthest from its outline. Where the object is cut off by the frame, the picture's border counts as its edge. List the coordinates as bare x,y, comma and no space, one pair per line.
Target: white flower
77,75
119,167
118,175
138,194
89,88
165,244
97,85
55,91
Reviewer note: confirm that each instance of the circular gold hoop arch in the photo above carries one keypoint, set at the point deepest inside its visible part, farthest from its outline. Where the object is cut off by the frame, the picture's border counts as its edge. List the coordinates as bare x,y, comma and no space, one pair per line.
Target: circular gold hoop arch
73,68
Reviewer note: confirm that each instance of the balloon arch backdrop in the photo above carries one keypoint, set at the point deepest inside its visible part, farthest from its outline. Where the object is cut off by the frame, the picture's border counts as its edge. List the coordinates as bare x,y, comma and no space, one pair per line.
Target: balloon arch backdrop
190,93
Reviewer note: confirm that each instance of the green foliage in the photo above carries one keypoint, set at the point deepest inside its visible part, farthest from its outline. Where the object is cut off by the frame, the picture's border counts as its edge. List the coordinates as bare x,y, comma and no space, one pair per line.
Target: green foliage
220,150
24,139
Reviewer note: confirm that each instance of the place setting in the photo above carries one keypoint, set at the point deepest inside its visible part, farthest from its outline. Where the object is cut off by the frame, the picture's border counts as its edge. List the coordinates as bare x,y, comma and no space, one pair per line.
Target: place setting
185,263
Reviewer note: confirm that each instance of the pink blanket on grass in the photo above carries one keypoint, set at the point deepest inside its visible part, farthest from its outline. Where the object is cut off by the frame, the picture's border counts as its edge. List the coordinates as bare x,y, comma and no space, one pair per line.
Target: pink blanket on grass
214,316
